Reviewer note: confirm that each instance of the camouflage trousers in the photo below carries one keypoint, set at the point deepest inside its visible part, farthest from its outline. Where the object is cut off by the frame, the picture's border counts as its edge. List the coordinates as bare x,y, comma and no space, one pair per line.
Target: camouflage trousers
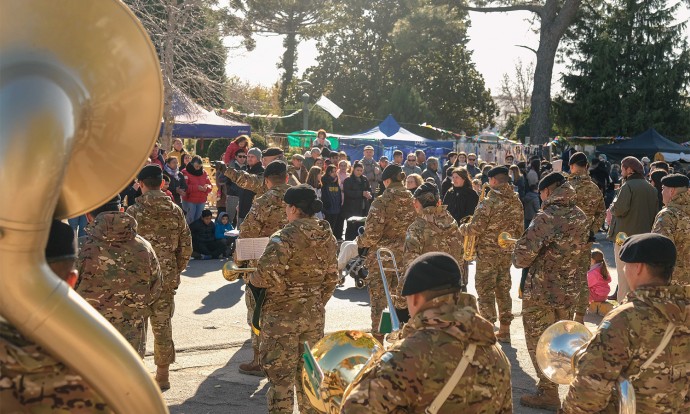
134,331
492,281
377,296
251,305
280,355
161,323
583,296
536,317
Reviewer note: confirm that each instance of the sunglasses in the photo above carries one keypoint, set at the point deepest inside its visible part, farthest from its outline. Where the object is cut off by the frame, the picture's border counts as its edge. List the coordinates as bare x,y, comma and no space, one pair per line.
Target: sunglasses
473,159
241,156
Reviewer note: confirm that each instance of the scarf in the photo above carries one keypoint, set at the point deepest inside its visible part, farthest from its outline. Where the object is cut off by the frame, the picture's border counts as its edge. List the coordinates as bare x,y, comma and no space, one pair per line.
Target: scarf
193,171
172,173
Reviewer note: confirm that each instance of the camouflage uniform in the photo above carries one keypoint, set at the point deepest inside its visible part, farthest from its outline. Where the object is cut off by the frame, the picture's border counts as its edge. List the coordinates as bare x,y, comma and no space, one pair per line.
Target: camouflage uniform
673,221
552,249
163,224
589,198
119,275
625,340
32,381
434,231
299,271
252,182
500,211
266,216
389,217
410,375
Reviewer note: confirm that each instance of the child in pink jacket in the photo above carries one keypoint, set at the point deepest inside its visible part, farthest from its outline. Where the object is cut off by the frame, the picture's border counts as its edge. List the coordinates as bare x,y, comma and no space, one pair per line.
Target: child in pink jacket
598,278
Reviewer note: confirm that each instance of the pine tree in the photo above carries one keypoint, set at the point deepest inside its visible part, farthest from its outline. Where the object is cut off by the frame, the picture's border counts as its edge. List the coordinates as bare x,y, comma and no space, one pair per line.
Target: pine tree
630,70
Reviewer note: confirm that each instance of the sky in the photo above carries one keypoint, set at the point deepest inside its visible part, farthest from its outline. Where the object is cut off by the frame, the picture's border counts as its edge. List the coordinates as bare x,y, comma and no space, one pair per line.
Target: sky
493,38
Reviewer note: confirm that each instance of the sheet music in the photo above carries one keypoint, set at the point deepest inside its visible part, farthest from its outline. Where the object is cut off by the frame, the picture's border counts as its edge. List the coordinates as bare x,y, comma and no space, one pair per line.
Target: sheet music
557,165
248,249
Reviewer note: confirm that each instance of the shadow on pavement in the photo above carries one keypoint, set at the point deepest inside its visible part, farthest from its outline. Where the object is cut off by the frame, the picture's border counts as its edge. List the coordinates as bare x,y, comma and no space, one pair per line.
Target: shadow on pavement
199,268
223,298
353,295
522,382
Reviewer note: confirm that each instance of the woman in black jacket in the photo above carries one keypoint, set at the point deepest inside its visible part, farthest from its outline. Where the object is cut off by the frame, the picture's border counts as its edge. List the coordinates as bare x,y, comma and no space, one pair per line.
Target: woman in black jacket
332,199
461,199
178,185
357,193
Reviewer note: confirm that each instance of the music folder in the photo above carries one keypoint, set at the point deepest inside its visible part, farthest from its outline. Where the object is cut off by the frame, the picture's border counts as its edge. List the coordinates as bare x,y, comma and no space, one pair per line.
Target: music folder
250,249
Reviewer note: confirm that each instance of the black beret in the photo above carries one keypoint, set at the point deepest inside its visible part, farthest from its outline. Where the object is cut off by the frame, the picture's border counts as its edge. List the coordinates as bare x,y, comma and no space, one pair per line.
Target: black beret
299,195
578,158
391,171
497,170
276,167
272,152
675,181
425,188
150,171
551,178
648,248
657,176
62,244
431,271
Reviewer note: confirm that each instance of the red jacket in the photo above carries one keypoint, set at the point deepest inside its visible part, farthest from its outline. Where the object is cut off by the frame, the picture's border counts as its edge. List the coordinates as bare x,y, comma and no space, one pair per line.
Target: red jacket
230,152
194,195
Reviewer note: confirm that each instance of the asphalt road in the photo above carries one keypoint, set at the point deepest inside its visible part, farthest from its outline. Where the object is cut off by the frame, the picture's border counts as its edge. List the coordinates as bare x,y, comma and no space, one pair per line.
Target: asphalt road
212,339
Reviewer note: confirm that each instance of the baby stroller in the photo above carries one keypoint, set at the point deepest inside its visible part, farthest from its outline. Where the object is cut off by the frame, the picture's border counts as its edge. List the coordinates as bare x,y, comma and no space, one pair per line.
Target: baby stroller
351,262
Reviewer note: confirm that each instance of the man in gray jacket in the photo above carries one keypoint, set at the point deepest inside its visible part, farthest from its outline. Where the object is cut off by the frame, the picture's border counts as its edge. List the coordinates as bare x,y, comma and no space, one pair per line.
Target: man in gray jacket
632,211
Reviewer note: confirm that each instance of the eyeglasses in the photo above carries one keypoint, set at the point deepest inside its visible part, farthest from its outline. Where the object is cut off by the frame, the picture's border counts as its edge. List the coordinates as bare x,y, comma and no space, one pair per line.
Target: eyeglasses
241,156
473,159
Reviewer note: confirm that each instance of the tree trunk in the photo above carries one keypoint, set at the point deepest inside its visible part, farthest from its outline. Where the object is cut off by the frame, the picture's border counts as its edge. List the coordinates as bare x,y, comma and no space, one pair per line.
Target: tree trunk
167,67
288,64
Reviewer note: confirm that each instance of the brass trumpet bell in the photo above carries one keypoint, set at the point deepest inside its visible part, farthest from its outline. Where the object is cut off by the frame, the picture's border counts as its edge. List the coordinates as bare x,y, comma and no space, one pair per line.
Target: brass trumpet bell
556,348
621,237
340,356
232,272
505,241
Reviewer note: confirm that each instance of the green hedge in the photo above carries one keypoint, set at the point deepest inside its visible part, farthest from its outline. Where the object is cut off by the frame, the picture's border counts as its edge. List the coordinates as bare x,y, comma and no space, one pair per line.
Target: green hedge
217,149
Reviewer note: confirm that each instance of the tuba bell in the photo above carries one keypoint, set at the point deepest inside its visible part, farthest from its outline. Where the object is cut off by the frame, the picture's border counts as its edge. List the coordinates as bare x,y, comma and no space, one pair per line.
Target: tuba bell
74,97
555,354
232,271
621,237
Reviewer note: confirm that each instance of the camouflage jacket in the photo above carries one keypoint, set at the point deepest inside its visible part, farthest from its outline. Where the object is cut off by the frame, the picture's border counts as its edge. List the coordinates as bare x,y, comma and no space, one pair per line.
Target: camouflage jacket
408,377
32,381
673,221
389,217
299,269
552,248
119,274
267,214
162,223
589,198
252,182
625,340
501,210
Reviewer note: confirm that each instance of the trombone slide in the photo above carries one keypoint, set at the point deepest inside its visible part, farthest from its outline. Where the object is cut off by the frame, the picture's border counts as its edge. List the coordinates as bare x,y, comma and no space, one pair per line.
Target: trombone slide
380,256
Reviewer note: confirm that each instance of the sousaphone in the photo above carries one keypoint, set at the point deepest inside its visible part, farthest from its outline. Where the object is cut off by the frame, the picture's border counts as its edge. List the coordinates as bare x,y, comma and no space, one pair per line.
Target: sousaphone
80,109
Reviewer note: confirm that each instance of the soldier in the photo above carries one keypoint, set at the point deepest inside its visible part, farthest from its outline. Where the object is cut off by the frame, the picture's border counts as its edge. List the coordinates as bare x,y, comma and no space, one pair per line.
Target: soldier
31,380
255,182
445,334
552,249
266,216
673,221
501,211
120,275
645,340
163,224
389,217
590,199
299,271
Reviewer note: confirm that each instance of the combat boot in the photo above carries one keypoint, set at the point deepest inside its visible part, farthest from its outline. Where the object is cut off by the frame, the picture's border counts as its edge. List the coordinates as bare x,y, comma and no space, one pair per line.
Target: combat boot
252,368
163,377
503,334
543,399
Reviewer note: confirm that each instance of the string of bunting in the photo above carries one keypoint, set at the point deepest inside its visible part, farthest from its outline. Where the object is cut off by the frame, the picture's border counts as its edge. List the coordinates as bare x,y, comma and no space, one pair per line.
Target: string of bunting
559,139
444,131
254,115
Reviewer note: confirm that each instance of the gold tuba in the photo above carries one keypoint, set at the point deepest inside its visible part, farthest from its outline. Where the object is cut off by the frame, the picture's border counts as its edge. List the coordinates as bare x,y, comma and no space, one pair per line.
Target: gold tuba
469,243
555,354
80,86
232,271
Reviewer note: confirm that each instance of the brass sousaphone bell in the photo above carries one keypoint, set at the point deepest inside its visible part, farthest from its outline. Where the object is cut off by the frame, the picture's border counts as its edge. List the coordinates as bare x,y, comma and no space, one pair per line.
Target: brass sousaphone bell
80,109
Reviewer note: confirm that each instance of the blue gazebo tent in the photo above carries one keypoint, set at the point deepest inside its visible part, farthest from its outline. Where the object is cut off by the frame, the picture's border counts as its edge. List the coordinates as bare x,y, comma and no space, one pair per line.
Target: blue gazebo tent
647,144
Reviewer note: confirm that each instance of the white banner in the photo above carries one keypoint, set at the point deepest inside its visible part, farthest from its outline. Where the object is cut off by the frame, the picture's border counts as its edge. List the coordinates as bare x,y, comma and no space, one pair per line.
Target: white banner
329,106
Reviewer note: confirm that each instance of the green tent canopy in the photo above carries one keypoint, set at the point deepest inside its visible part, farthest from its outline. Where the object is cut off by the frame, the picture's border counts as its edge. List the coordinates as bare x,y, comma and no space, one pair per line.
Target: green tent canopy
303,139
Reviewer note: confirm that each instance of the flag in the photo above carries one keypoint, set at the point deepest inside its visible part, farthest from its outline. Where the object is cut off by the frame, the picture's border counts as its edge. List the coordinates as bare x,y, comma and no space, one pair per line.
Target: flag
329,106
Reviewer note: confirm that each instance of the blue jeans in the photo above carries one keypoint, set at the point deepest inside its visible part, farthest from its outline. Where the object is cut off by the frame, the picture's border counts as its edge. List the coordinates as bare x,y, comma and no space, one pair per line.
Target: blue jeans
193,210
78,224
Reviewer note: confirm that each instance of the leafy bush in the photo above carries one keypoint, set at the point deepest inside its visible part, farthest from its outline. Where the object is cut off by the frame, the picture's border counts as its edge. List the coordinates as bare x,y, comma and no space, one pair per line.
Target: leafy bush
201,148
217,149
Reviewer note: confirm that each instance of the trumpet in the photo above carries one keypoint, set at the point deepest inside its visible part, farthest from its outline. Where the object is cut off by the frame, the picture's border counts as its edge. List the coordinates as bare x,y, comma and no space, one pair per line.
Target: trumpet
469,244
505,241
232,271
555,354
621,237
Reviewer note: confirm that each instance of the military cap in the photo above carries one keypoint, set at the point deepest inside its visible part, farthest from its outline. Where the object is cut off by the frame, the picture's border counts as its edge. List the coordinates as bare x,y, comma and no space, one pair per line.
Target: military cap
255,152
425,188
298,157
657,176
551,178
578,158
272,152
391,171
675,181
497,170
62,244
431,271
150,171
648,248
276,167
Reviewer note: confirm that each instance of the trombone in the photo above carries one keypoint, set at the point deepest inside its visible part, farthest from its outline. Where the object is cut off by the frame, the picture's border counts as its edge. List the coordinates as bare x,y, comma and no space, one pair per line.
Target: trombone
381,255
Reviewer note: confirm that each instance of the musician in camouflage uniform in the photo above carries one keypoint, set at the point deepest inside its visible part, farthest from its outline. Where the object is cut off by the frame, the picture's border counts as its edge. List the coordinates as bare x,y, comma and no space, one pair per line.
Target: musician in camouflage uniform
445,326
31,380
389,217
255,182
590,199
299,272
552,248
120,275
266,216
673,221
501,211
645,340
163,224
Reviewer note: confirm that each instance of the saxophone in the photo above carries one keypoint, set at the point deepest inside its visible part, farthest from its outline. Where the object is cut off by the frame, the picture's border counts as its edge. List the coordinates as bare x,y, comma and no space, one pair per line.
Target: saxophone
470,242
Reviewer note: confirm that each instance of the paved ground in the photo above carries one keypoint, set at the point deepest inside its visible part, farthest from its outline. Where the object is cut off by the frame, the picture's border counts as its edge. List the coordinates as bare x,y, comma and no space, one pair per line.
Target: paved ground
211,337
